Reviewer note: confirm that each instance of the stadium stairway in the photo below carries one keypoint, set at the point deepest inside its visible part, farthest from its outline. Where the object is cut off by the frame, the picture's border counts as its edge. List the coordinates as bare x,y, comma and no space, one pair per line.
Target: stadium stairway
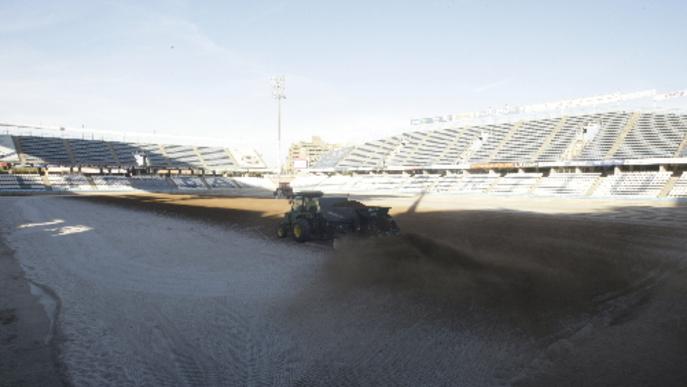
493,184
231,157
202,179
172,183
46,182
164,154
629,125
452,144
17,148
680,149
535,185
574,149
91,182
69,150
202,161
547,141
112,152
514,129
668,187
594,186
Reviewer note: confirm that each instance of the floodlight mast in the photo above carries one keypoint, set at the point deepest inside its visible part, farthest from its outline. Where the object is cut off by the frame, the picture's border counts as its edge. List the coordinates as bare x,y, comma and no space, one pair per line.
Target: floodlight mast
278,91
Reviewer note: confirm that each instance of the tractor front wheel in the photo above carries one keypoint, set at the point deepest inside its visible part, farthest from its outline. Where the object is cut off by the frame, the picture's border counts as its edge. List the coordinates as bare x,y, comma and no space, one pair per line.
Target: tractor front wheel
300,231
282,230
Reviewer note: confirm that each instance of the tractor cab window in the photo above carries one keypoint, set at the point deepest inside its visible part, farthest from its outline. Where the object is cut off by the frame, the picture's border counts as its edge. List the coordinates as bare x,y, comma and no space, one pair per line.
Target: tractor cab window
297,203
311,204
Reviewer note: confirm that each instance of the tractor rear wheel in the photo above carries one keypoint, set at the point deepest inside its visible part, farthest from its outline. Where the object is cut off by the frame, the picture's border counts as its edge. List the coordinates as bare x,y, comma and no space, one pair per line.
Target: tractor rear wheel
300,230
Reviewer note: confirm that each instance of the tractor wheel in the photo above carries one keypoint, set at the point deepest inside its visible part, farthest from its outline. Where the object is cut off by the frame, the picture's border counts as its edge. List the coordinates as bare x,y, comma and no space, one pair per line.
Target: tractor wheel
282,231
393,228
300,230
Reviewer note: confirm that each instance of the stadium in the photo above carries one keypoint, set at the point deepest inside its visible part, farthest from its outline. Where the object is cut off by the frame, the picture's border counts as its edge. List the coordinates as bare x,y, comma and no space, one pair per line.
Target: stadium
462,216
484,209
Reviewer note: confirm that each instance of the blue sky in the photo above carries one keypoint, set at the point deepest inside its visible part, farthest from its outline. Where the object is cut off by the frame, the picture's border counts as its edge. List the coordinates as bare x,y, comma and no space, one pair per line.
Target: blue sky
355,69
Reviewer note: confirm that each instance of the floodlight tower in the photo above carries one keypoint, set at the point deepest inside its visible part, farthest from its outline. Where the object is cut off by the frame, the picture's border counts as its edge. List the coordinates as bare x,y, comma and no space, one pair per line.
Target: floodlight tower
278,91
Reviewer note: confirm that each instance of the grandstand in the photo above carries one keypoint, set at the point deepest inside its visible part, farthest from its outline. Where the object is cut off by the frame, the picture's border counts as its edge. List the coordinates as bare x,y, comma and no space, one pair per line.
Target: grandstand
119,183
574,140
68,152
615,154
57,160
608,154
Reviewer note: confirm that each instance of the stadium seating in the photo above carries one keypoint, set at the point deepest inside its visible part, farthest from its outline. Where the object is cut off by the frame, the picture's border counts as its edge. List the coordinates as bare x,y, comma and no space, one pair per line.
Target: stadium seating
69,183
656,135
412,151
588,137
642,184
418,184
21,182
183,156
525,141
476,183
91,152
8,152
81,152
216,159
378,183
189,183
566,184
516,183
44,150
220,182
680,188
309,182
156,156
448,183
450,144
247,158
612,124
492,136
112,183
336,184
150,183
561,138
331,159
124,152
371,155
435,160
8,183
255,182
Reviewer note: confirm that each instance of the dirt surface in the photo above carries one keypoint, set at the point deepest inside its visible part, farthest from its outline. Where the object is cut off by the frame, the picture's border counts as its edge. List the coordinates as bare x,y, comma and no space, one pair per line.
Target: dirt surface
185,289
28,351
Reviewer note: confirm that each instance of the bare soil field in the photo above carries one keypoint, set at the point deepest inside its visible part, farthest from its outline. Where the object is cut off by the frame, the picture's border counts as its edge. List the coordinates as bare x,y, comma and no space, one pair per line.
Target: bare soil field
196,290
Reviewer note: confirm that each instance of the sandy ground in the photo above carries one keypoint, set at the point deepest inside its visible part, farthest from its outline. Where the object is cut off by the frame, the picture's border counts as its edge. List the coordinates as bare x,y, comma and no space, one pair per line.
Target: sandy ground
28,356
500,291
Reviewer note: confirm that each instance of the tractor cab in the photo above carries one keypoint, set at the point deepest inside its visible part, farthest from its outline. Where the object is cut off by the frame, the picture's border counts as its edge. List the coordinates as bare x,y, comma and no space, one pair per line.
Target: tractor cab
308,201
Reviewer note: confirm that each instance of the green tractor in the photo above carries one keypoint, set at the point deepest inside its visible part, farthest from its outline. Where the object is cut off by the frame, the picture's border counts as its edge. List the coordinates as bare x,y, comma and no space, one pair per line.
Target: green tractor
316,217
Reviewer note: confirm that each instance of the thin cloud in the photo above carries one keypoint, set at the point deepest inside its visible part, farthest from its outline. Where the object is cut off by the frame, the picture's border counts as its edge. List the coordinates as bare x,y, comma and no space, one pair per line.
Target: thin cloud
492,85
